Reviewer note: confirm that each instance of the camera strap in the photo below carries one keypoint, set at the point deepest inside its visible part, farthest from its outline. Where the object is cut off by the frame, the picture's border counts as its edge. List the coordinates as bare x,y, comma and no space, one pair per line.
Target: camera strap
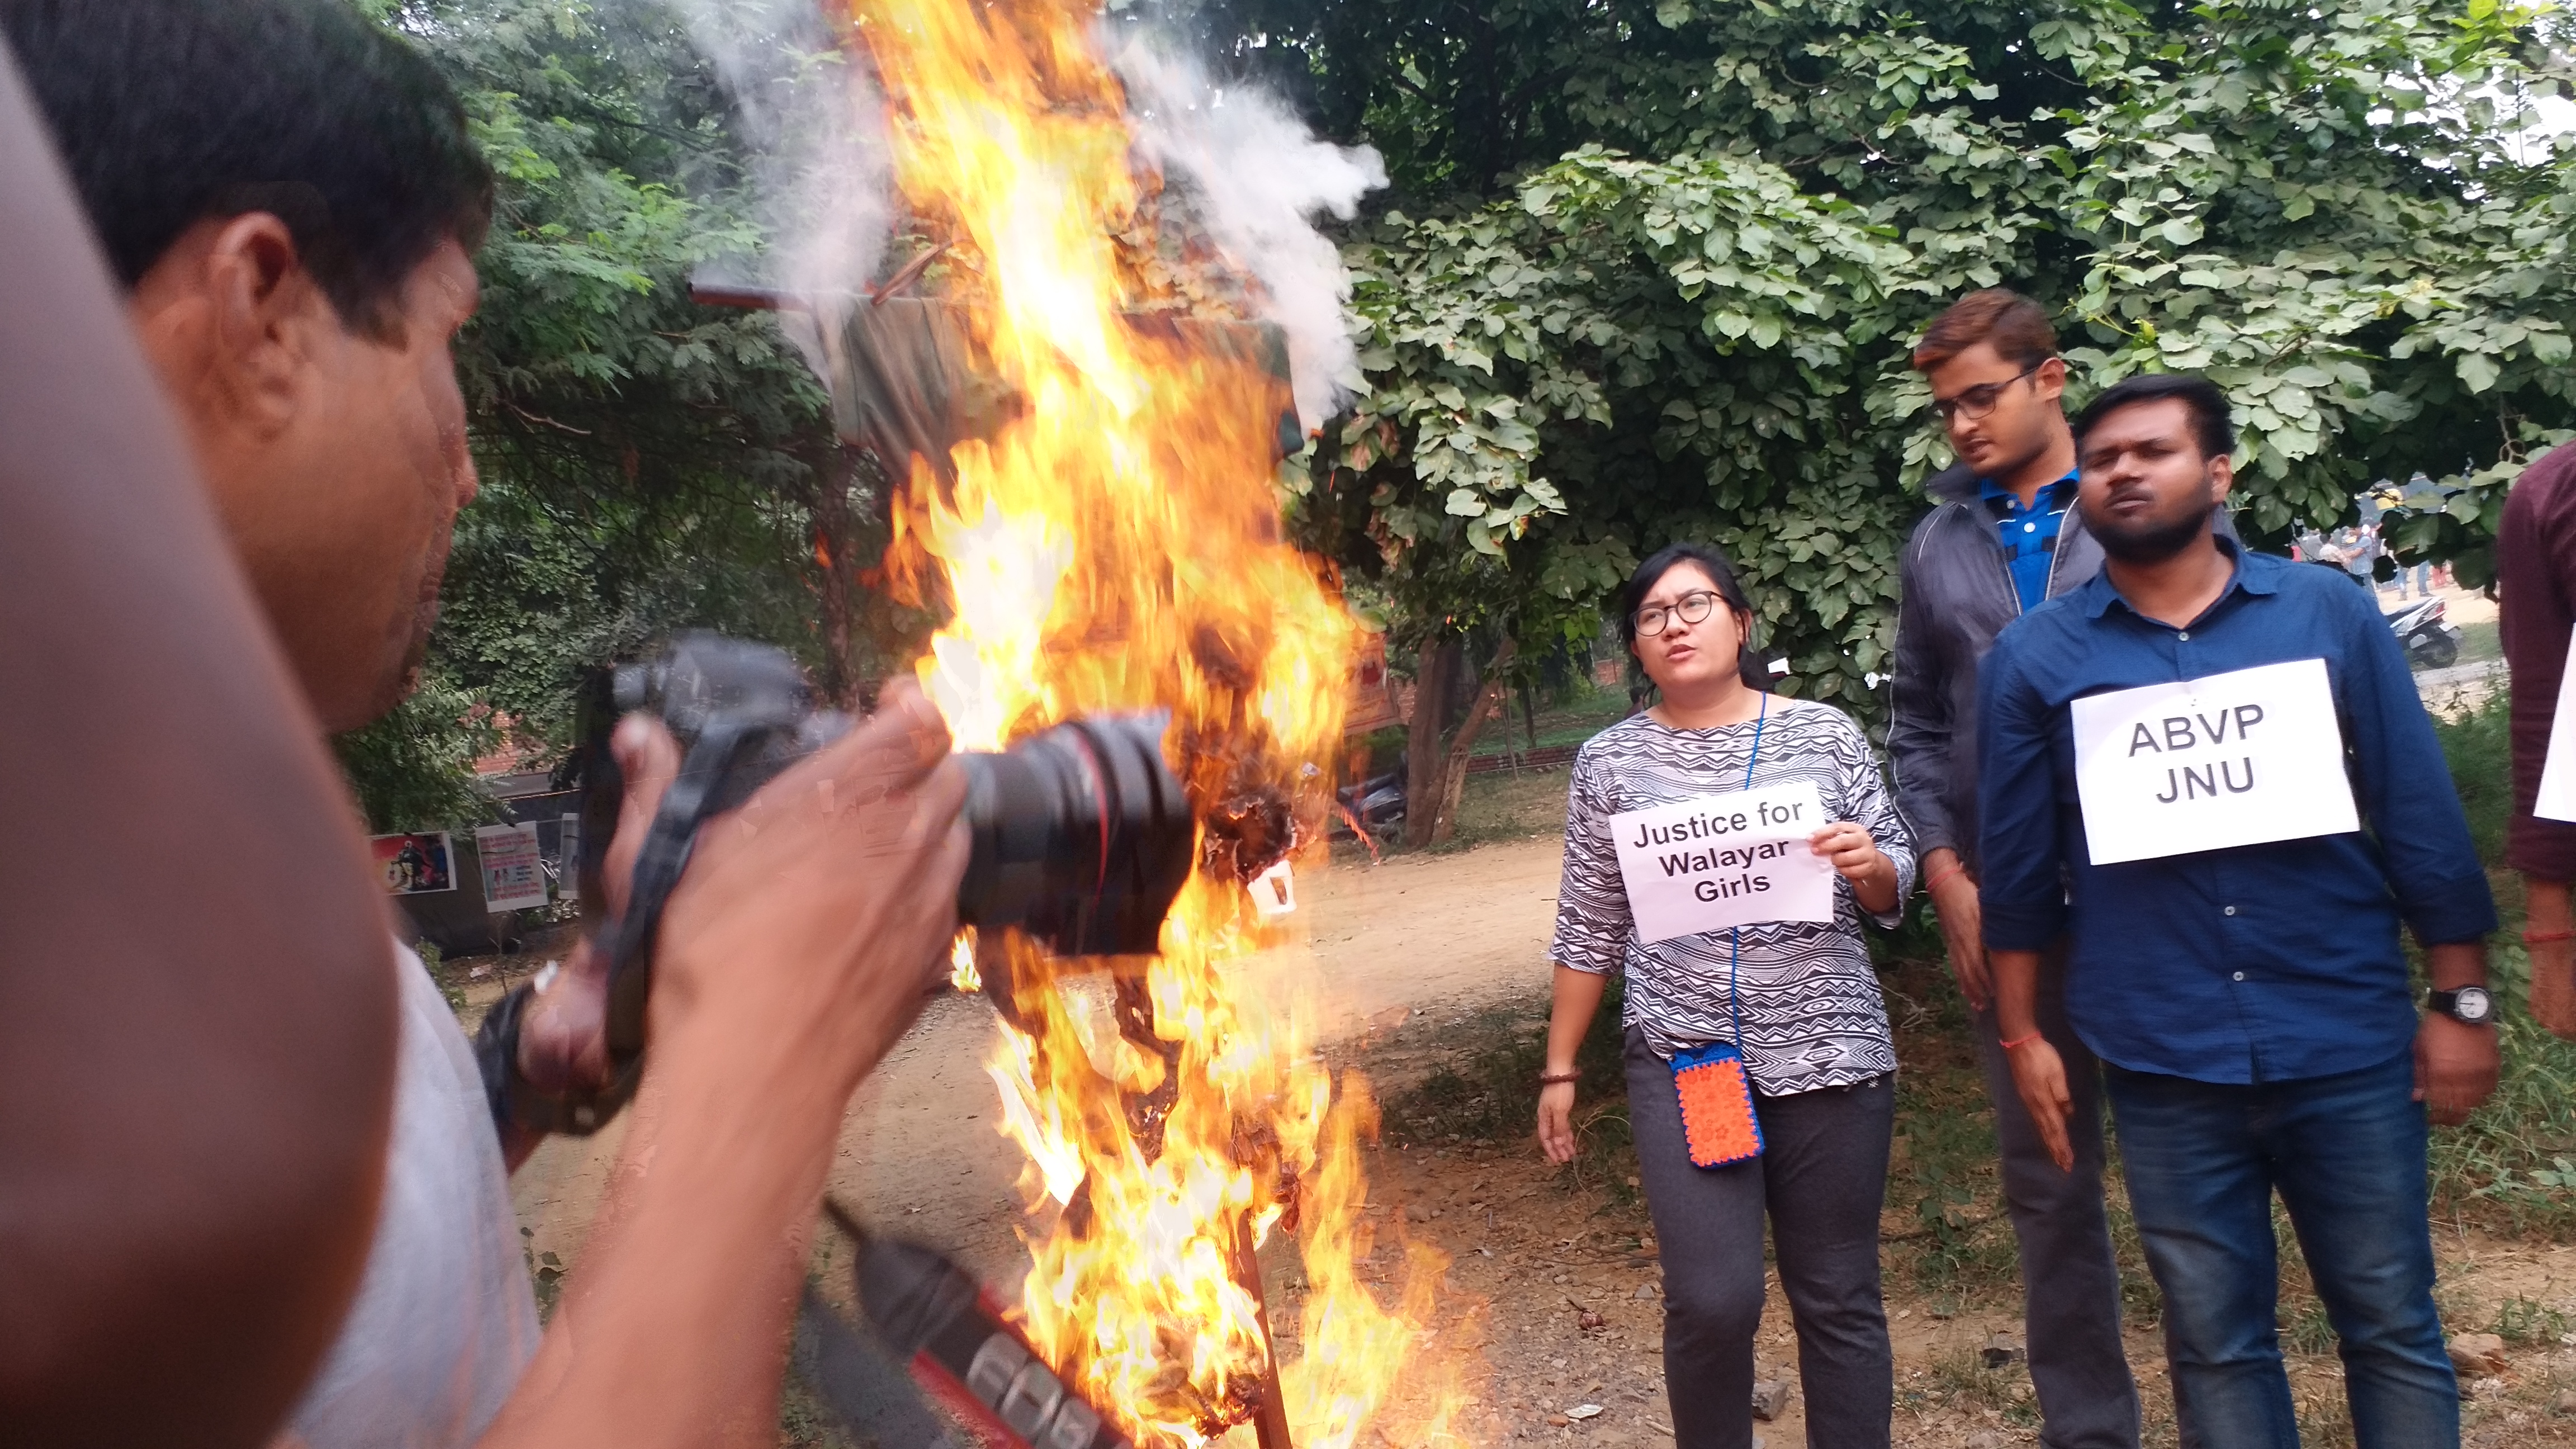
697,795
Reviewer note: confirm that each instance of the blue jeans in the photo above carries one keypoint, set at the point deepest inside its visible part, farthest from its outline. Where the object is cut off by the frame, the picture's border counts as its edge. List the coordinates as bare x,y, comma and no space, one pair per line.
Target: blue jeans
2346,1154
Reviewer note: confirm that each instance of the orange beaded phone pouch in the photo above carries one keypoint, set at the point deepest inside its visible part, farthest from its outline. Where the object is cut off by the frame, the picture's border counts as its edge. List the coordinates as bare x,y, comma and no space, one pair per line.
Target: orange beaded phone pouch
1718,1123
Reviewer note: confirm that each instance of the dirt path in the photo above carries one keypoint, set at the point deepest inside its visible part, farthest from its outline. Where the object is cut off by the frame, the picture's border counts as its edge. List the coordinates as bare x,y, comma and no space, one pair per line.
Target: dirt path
1551,1295
919,1147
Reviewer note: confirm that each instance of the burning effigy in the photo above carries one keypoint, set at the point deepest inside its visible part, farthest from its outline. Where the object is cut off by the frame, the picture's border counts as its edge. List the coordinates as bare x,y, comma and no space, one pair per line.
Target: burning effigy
1087,423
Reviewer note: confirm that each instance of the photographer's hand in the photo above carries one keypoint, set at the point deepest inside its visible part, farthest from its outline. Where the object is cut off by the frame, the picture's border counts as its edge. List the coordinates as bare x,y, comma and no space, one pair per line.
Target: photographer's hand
563,1038
791,956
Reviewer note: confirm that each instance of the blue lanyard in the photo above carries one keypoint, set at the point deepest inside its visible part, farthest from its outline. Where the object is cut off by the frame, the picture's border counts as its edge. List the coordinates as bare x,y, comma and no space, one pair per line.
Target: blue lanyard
1735,1018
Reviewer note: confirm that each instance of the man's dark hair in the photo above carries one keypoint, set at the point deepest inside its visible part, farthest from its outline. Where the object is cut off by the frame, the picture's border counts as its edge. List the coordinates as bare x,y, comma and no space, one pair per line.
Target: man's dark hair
2013,324
1748,661
170,112
2212,420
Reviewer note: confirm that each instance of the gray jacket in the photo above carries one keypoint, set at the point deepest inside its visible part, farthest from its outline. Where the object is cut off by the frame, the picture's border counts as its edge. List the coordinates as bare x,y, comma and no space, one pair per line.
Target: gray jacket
1958,595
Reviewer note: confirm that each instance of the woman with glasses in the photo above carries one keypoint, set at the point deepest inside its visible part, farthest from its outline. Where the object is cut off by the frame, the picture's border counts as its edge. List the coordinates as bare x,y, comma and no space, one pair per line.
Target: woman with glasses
1759,1070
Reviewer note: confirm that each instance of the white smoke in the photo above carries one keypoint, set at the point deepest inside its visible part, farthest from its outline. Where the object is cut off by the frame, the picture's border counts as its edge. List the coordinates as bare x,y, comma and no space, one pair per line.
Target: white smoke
1260,178
815,124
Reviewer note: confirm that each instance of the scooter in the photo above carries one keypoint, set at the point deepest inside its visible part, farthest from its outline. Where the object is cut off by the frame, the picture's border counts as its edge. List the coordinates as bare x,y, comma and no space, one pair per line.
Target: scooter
1375,805
2431,642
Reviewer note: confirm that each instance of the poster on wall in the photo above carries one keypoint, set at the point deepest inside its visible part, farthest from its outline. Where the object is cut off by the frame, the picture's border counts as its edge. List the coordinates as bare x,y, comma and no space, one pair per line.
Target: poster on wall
514,873
414,865
1370,703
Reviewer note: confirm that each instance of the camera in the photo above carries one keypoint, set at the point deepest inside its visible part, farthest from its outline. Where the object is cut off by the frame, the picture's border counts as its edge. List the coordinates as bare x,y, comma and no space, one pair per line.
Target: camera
1082,837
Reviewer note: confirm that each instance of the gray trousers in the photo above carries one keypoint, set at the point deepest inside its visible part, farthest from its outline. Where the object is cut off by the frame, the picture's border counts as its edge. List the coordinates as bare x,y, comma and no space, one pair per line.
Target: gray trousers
1820,1179
2071,1286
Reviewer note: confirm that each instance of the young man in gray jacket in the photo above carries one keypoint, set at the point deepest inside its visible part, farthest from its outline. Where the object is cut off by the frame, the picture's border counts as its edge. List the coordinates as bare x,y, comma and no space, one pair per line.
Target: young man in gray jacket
2002,536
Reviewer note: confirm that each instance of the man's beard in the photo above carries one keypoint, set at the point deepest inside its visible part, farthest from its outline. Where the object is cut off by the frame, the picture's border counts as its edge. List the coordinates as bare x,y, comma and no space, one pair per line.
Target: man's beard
2156,539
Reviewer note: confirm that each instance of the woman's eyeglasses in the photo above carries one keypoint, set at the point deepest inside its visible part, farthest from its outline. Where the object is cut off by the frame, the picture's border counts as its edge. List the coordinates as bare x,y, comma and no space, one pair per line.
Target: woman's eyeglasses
1973,403
1693,607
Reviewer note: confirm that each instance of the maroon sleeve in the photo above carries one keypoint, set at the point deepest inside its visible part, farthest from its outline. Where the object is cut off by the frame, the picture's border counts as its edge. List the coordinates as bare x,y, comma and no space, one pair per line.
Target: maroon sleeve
2536,579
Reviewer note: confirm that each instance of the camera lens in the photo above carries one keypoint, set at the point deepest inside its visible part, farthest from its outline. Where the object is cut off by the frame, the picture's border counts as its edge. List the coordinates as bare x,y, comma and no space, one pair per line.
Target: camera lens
1082,837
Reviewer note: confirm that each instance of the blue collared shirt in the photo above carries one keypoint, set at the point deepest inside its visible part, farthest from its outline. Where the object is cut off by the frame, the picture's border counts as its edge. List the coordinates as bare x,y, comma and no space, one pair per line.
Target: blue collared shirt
2254,964
2028,535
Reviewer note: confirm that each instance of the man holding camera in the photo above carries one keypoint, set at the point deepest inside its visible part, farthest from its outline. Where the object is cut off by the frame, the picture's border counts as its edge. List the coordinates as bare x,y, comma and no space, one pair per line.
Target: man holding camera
293,201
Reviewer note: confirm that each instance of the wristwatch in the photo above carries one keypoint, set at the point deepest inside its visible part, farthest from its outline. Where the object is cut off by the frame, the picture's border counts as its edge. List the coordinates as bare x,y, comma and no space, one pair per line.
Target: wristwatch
2470,1005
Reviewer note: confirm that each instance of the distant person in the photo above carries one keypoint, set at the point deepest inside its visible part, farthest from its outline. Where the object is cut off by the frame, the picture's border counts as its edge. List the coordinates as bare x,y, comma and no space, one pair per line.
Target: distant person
2179,763
292,198
1794,1002
2360,551
2006,534
2536,580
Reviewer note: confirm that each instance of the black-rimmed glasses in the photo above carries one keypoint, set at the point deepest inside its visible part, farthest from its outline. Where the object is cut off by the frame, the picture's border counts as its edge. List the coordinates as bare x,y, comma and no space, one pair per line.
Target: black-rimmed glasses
1693,607
1973,403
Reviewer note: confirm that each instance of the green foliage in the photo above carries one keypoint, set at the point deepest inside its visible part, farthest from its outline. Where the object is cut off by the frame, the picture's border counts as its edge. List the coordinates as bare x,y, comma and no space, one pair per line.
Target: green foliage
414,769
648,464
2478,746
1576,355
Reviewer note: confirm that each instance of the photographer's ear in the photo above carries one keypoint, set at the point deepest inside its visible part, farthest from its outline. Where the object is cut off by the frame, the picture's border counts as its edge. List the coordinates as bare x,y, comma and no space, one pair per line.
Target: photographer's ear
231,320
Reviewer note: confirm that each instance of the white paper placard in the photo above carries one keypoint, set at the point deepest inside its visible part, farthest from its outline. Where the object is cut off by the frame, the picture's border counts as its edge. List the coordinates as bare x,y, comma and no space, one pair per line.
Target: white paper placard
2242,758
1724,860
1274,892
2557,799
514,875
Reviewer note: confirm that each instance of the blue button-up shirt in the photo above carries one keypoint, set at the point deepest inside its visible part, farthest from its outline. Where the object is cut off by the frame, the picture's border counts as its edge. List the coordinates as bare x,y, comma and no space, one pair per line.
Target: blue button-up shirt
2254,964
2028,535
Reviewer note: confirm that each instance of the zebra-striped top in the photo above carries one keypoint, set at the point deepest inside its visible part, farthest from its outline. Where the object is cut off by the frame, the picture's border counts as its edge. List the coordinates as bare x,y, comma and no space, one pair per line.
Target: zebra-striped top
1807,995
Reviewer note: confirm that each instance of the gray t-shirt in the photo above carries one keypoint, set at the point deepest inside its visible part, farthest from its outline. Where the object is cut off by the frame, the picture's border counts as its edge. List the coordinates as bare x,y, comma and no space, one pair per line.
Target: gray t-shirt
1805,992
444,1320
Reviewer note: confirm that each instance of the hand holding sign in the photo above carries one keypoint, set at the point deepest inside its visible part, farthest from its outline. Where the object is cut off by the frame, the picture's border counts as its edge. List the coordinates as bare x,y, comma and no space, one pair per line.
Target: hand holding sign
1855,856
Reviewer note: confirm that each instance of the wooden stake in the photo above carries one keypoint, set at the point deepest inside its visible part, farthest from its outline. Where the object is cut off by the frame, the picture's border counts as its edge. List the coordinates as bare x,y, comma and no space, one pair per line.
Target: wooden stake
1270,1425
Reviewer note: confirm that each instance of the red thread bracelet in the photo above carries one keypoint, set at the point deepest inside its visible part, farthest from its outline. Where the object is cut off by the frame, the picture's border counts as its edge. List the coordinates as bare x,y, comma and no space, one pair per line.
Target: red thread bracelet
1939,876
2543,938
2025,1041
1558,1079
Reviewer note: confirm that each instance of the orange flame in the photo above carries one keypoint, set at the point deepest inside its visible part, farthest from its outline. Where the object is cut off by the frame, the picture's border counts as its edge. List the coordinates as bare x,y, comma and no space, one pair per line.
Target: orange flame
1116,547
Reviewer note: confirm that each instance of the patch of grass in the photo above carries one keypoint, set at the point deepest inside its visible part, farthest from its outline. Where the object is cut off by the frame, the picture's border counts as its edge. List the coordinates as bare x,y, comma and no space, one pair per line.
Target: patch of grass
1581,715
2478,745
1507,806
1942,1176
1486,1090
2325,1414
1960,1380
2525,1322
2481,641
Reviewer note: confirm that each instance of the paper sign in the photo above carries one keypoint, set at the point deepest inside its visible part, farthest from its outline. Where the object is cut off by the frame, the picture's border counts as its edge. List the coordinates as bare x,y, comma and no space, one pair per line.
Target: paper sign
414,864
1274,892
2557,799
2242,758
1724,860
514,874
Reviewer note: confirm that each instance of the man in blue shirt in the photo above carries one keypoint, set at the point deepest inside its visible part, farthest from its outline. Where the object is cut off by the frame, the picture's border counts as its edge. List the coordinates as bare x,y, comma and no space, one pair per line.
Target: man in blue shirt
2210,770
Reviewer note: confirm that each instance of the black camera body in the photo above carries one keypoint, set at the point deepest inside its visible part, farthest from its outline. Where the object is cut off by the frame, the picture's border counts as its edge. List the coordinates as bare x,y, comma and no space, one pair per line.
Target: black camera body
1082,837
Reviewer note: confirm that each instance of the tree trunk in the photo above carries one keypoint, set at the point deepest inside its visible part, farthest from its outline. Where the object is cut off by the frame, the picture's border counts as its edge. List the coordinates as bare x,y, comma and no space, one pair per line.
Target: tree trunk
1436,769
1435,663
